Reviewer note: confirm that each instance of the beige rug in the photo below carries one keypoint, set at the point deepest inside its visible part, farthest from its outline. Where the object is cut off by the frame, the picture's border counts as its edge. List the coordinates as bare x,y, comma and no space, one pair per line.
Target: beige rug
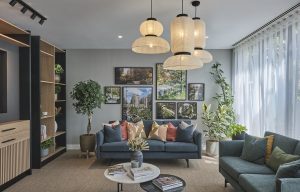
69,173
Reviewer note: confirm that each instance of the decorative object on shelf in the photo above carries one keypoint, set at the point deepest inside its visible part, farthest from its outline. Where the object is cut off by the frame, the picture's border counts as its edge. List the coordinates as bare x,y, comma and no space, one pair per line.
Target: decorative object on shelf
134,75
43,132
57,112
165,110
151,42
196,91
170,84
237,131
137,145
57,91
200,37
182,45
112,95
44,113
137,103
187,110
87,96
45,145
58,71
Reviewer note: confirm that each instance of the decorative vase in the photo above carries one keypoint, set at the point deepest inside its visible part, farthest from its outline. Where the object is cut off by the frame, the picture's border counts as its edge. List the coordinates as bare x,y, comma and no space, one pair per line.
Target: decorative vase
240,136
57,78
44,152
138,156
212,148
55,97
55,126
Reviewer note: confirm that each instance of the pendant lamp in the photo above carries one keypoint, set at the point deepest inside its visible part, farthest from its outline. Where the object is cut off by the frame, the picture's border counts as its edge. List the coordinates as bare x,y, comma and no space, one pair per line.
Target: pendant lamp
150,42
200,40
182,45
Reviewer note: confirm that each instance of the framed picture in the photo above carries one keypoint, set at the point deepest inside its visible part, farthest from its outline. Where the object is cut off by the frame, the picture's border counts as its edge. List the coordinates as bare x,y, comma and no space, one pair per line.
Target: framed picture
187,110
196,91
137,103
112,95
165,110
170,84
134,75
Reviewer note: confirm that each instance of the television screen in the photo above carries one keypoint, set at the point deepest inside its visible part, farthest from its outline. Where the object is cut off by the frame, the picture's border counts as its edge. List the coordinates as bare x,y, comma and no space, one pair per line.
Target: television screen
3,81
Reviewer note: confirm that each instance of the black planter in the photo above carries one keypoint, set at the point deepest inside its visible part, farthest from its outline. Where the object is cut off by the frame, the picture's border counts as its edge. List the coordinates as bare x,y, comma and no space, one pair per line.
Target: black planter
240,136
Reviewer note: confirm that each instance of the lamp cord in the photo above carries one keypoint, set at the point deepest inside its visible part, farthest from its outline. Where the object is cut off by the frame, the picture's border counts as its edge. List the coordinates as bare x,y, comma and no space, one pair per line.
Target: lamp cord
182,6
195,11
151,8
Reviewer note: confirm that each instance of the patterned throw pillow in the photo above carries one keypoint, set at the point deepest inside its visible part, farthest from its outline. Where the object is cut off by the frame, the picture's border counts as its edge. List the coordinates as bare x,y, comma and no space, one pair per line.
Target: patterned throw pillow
171,132
158,132
136,130
270,140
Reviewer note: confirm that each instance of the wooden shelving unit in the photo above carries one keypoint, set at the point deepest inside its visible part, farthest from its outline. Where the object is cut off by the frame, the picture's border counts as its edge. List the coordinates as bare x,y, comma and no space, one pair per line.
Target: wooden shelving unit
44,58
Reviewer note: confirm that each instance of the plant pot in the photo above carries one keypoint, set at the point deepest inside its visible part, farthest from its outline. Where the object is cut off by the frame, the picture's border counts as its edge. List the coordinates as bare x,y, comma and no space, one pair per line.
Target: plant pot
212,148
138,156
57,78
87,142
44,152
240,136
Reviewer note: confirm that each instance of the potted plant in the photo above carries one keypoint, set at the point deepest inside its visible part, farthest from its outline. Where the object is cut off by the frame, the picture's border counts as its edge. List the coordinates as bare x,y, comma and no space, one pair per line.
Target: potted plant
87,96
58,71
57,91
45,147
237,131
137,145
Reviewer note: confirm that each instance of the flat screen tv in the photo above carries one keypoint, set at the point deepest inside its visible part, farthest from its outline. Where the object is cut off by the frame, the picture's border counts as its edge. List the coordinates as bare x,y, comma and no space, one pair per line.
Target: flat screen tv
3,81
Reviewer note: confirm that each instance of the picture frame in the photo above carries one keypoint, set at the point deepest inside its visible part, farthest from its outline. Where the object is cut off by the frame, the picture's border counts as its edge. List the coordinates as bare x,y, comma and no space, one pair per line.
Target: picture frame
137,103
187,110
170,84
166,110
112,95
134,75
196,91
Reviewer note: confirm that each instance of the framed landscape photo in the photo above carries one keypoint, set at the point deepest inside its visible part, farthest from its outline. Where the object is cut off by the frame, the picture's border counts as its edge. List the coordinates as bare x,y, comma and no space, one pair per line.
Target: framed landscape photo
112,95
196,91
165,110
137,103
170,84
134,75
187,110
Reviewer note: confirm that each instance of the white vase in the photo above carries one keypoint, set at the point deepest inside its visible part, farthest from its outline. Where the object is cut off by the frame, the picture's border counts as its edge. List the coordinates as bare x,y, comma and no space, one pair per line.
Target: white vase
55,126
55,97
212,148
57,78
43,132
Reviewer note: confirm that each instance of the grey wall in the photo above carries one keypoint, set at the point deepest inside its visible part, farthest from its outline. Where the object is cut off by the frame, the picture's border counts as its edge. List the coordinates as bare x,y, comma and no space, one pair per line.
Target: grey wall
99,65
12,83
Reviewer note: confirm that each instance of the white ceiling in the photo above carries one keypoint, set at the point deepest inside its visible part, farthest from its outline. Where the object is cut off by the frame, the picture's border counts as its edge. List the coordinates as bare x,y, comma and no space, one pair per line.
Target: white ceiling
87,24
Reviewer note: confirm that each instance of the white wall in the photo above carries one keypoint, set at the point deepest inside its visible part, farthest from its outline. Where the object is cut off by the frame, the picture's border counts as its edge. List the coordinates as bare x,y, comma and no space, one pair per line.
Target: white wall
99,65
12,83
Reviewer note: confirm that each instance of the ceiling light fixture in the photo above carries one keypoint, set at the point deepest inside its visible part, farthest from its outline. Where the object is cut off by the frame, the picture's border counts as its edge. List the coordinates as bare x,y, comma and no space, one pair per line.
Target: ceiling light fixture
33,16
182,45
151,42
24,9
13,2
200,37
120,36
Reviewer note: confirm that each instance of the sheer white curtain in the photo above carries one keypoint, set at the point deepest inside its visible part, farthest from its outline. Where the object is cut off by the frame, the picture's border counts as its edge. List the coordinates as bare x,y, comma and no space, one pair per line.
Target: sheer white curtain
266,79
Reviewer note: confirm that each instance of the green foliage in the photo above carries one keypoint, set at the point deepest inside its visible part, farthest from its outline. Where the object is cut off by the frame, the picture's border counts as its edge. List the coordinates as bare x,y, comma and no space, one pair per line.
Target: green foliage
57,89
138,144
58,69
47,144
219,122
236,129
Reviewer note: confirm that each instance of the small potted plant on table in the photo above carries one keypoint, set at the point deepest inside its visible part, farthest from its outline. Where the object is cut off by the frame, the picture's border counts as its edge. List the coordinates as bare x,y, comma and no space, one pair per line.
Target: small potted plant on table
45,145
137,145
58,71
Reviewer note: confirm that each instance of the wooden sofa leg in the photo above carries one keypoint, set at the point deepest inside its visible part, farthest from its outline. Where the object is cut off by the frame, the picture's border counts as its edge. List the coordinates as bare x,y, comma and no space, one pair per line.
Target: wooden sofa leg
187,163
226,183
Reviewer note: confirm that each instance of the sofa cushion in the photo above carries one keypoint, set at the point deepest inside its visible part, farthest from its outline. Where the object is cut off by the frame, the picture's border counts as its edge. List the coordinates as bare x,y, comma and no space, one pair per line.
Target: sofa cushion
171,132
185,134
297,149
254,149
112,134
158,132
287,144
155,145
235,166
181,147
136,130
115,146
289,170
257,183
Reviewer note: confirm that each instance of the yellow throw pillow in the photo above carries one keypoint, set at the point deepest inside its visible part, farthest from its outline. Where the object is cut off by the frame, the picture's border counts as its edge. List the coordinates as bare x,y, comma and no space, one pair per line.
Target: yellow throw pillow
158,132
136,130
270,140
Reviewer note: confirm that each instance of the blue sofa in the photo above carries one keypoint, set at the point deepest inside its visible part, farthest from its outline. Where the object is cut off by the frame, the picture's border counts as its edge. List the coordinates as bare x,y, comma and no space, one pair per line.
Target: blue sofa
245,176
157,149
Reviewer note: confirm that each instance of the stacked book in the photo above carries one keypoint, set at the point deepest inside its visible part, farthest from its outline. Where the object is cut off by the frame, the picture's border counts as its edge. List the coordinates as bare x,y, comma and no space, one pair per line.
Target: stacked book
167,183
140,173
116,170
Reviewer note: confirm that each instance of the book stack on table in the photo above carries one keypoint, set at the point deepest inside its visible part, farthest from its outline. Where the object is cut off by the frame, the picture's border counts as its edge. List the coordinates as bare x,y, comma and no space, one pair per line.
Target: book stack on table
116,170
167,183
140,173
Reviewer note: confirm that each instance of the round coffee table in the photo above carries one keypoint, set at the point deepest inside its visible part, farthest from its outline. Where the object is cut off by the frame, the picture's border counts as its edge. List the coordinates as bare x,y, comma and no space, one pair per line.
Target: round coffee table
125,179
150,187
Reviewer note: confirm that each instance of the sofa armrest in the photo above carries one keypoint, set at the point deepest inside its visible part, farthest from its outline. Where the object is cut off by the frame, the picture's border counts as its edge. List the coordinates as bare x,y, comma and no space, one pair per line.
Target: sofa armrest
100,138
231,148
197,137
287,184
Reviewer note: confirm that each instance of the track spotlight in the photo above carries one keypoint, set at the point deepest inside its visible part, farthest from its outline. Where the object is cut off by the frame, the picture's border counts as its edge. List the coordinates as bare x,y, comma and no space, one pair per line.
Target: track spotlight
42,21
13,2
33,16
24,9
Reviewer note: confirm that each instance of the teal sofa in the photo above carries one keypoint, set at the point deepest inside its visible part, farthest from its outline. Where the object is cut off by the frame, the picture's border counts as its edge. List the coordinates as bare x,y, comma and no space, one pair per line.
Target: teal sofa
245,176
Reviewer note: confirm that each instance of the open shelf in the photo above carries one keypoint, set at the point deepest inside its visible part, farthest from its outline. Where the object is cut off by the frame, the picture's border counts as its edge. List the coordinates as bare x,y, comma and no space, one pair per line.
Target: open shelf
13,41
47,82
49,137
60,101
58,50
63,84
46,54
9,28
57,150
47,116
59,133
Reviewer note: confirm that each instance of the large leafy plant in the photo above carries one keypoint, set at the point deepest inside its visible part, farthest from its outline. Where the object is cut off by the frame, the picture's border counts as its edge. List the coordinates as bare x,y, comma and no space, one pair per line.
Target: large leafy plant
218,122
87,96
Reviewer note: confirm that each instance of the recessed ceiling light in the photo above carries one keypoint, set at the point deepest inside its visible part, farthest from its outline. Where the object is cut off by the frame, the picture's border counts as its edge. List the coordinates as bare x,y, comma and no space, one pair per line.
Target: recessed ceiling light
120,36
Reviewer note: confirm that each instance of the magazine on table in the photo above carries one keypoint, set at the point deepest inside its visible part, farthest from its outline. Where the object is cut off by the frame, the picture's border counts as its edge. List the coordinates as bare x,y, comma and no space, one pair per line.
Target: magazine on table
140,173
116,170
167,183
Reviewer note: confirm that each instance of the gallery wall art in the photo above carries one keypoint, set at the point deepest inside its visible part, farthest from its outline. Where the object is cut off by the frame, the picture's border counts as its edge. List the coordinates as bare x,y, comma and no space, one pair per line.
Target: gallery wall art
165,110
170,84
112,95
187,110
134,75
196,91
137,103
